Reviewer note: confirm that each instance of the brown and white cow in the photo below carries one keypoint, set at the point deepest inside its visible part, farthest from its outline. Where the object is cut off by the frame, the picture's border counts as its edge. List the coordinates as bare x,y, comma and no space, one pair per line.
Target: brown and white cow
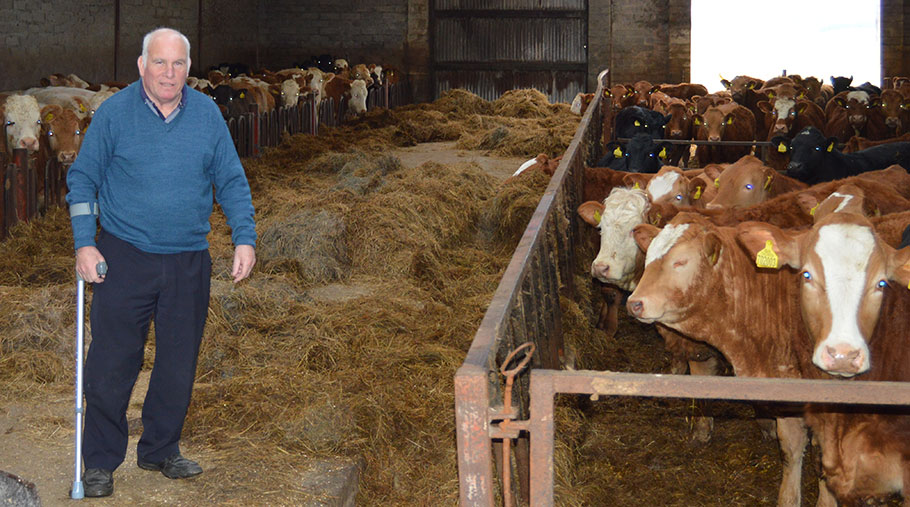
580,103
699,282
21,116
354,91
854,113
62,133
857,323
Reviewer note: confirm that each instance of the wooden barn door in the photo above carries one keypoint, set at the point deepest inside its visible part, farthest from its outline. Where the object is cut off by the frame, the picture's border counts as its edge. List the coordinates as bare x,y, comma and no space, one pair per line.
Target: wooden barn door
491,46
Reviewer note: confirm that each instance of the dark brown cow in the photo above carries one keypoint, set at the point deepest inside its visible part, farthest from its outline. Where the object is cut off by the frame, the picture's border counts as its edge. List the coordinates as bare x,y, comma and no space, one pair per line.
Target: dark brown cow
642,93
854,113
858,143
679,127
726,122
896,110
683,91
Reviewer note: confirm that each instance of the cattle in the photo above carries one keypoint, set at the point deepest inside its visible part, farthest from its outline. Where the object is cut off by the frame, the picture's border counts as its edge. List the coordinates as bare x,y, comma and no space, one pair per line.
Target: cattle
258,89
634,120
232,102
857,143
739,85
786,118
688,266
813,157
683,91
679,128
841,83
541,162
355,92
581,102
63,131
854,113
77,99
856,323
896,110
22,117
726,122
375,73
620,96
641,155
703,102
748,181
642,96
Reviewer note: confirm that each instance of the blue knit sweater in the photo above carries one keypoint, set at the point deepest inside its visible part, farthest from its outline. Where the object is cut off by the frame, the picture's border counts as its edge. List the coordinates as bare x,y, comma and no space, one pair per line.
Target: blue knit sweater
153,180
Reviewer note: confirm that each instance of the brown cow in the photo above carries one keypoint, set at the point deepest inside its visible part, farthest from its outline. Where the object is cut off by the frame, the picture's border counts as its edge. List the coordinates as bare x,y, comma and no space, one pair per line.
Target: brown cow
62,132
748,181
857,143
854,113
785,118
680,127
726,122
581,102
355,91
896,110
683,91
699,282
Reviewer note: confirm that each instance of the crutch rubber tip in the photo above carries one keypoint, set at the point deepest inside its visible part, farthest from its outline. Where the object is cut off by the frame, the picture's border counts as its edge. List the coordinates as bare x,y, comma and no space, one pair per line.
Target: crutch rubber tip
77,492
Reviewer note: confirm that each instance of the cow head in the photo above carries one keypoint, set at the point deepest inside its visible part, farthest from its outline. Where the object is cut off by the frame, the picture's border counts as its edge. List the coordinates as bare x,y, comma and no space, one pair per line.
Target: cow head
641,154
896,110
22,118
713,123
679,125
807,150
842,288
63,131
739,85
357,101
744,183
669,186
857,105
289,92
783,112
618,262
679,264
620,96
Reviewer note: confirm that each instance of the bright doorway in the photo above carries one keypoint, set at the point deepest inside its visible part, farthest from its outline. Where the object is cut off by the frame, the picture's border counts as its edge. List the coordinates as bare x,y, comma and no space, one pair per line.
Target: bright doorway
820,38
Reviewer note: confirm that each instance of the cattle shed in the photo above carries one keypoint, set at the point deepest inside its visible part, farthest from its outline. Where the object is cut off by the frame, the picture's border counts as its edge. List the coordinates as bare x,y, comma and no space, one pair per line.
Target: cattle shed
489,47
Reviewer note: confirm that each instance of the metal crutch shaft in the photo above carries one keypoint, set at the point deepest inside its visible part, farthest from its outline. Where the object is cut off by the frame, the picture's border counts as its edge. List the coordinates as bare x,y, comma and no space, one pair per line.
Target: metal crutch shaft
78,491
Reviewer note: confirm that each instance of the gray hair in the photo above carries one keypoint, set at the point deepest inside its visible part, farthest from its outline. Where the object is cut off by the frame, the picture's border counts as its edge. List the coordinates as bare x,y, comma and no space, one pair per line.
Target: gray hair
147,40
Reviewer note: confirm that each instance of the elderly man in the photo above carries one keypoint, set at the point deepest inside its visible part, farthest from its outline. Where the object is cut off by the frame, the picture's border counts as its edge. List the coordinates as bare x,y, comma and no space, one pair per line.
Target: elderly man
147,169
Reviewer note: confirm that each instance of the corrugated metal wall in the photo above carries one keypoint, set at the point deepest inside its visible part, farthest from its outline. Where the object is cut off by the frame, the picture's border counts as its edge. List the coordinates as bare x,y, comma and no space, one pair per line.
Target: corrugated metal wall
492,46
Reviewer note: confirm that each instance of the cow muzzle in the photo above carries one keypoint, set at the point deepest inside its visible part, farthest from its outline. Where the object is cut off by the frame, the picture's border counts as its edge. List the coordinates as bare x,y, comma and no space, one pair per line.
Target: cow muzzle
841,359
66,157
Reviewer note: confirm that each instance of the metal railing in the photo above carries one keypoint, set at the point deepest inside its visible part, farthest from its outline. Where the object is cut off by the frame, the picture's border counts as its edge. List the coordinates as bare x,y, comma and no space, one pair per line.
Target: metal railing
525,308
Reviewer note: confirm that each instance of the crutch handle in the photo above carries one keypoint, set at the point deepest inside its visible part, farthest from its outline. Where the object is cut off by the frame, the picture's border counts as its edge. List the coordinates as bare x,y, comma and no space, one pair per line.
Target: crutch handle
101,268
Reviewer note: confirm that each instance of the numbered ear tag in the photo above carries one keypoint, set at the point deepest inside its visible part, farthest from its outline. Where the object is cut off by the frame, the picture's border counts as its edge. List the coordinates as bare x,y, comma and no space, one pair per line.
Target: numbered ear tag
663,153
766,258
49,118
768,183
697,195
717,182
617,152
782,148
596,216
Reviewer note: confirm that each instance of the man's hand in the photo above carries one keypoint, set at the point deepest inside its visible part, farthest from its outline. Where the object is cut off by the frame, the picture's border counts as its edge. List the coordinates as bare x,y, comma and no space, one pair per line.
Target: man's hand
87,259
244,259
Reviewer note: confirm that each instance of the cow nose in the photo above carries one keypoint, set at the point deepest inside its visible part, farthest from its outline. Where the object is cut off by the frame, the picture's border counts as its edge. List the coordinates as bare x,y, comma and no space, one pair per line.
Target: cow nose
29,143
711,205
635,307
793,167
893,122
713,138
66,157
676,133
600,270
843,359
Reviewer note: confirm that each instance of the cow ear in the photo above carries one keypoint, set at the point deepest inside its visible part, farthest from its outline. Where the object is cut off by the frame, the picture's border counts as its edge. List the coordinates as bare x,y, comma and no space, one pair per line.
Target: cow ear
808,202
713,170
781,143
768,246
697,120
801,109
899,265
874,102
839,101
726,83
643,234
696,188
832,143
49,112
655,88
712,247
636,180
591,212
764,106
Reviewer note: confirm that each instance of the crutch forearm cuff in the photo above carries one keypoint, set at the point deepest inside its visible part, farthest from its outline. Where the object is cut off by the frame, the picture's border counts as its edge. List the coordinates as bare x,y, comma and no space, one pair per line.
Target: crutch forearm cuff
83,208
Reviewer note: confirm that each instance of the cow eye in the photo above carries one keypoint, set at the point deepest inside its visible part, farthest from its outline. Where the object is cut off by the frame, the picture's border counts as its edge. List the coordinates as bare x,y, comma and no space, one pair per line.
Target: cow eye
78,132
818,148
882,284
680,263
678,197
749,186
651,155
10,123
50,132
807,276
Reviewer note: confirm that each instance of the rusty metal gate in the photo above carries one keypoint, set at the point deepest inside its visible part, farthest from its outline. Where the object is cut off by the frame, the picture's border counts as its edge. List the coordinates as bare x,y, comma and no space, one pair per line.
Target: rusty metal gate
492,46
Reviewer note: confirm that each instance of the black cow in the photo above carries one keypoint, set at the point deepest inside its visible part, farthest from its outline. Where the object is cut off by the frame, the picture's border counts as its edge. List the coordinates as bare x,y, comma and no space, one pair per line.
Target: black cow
640,155
232,102
841,83
634,120
814,158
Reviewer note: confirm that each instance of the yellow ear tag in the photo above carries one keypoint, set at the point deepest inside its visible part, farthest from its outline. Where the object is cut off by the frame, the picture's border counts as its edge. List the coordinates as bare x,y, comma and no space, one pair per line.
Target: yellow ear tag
812,211
768,183
730,121
596,216
49,118
242,95
697,121
697,195
830,147
714,258
663,153
656,219
635,186
766,258
82,107
782,148
637,123
617,152
717,182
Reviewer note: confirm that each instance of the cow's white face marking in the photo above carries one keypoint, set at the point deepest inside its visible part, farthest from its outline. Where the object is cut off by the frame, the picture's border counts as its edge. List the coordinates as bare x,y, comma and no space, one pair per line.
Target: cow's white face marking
844,250
525,165
664,241
358,102
858,96
624,208
783,106
662,185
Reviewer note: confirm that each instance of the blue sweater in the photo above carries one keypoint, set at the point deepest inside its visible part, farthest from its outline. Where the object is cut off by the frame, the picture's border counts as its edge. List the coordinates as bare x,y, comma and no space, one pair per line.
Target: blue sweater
153,180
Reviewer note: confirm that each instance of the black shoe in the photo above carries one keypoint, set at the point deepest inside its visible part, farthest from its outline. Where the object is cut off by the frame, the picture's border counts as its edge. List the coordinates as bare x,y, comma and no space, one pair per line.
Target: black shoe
174,466
98,482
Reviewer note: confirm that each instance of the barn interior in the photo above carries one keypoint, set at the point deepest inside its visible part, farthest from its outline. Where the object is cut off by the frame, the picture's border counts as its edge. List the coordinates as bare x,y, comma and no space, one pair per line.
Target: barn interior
328,377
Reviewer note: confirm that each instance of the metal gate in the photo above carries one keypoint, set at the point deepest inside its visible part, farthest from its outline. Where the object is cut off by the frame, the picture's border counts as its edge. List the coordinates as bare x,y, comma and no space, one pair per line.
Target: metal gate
491,46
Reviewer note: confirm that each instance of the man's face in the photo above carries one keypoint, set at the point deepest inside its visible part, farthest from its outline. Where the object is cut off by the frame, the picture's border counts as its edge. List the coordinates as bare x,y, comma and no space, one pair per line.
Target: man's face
164,74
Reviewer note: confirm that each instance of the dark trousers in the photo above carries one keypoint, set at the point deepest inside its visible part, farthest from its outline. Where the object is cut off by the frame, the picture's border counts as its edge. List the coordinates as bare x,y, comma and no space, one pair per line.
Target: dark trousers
172,290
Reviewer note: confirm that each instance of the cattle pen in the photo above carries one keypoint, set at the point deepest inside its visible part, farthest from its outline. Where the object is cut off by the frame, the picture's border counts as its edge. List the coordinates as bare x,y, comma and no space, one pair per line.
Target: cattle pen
501,406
